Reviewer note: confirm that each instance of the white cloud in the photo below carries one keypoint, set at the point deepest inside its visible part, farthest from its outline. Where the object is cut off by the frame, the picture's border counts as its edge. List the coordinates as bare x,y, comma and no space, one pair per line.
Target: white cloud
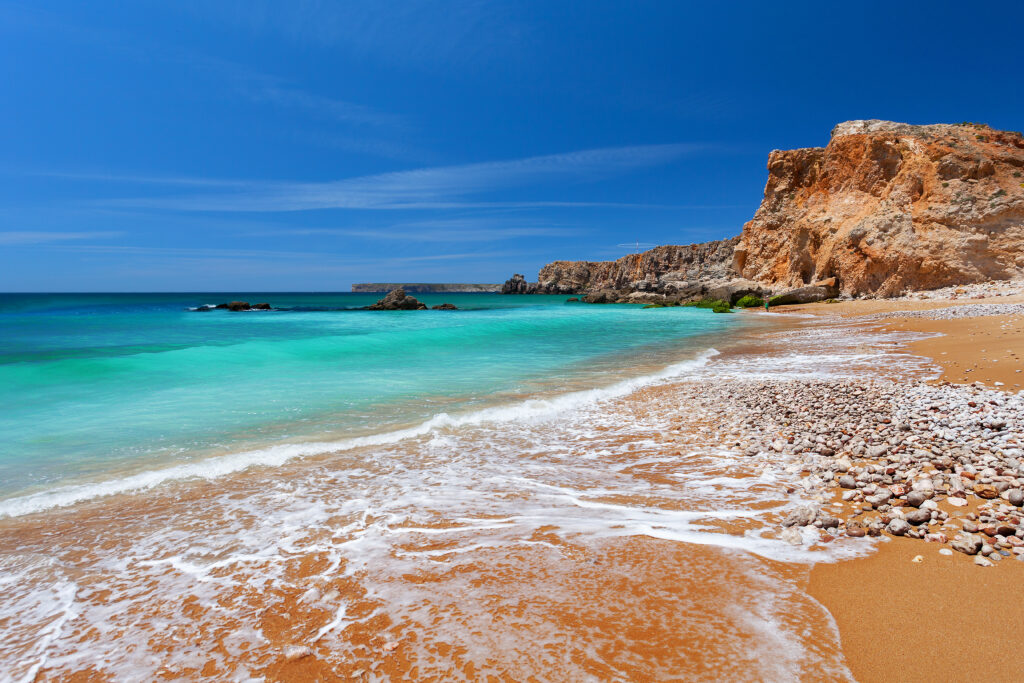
437,187
15,237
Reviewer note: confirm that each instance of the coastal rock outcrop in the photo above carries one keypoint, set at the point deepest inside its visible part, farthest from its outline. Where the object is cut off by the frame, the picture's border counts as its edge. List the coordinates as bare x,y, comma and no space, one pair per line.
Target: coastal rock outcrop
890,207
517,284
398,300
680,272
236,306
806,295
444,307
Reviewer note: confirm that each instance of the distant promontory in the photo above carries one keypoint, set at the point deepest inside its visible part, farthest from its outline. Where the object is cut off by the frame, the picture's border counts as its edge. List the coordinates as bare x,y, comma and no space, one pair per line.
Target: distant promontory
424,287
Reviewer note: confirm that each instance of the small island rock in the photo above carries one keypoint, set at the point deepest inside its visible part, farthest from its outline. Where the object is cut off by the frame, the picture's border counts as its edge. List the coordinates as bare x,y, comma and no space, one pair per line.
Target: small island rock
396,300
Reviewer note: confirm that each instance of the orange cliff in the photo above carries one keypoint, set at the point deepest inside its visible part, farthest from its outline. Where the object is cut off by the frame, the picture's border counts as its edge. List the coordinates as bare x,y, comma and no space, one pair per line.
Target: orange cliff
890,207
884,208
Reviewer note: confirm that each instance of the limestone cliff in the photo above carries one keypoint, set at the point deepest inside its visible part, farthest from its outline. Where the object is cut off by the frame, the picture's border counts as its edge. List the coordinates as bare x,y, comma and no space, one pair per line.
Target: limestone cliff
888,207
684,271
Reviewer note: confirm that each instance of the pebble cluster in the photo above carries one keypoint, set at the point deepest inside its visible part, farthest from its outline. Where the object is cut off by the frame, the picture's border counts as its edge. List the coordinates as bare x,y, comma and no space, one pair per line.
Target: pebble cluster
955,312
943,463
979,290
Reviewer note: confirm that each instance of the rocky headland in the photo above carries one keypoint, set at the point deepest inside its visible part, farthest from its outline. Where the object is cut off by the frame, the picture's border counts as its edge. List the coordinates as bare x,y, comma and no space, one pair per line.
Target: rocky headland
425,287
884,209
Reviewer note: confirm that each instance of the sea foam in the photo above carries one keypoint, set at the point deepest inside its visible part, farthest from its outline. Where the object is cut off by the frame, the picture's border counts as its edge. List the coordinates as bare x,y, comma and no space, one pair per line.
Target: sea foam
275,456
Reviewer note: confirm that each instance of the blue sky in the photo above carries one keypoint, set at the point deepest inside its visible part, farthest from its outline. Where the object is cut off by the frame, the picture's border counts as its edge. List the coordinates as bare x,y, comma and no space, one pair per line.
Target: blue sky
258,145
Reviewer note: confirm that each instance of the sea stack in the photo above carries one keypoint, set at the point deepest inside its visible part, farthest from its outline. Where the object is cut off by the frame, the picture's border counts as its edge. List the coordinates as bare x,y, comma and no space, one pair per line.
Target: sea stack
397,300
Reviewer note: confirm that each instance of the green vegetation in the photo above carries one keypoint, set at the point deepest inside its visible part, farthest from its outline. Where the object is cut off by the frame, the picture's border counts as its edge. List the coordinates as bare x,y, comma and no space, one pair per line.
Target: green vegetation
998,193
750,301
654,305
716,305
1016,174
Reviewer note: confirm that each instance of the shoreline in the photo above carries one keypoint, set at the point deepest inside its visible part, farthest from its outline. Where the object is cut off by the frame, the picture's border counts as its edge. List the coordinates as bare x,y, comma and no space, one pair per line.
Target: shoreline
733,430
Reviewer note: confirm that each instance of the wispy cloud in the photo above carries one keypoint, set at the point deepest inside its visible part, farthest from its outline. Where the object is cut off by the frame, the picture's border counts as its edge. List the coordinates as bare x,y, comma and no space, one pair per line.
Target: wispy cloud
455,230
15,237
269,90
437,187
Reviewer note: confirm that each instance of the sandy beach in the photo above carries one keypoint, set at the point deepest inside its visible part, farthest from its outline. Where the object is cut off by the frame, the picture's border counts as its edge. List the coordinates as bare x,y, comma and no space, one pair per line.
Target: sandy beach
907,594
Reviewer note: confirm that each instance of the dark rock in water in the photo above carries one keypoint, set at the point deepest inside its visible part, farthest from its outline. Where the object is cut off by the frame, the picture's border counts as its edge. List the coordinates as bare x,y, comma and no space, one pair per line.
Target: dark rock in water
397,300
237,306
517,284
445,307
572,298
603,296
224,306
805,295
203,308
262,307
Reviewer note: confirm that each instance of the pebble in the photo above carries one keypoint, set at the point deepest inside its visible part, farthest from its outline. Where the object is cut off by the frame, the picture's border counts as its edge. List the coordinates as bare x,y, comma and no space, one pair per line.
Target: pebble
969,544
919,516
982,561
802,516
945,551
897,527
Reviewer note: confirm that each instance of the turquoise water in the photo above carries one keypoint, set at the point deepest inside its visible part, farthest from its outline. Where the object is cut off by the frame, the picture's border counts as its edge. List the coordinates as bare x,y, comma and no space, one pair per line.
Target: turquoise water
94,386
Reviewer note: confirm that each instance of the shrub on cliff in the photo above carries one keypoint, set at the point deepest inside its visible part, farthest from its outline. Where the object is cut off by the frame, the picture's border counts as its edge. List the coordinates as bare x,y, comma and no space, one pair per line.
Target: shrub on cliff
750,301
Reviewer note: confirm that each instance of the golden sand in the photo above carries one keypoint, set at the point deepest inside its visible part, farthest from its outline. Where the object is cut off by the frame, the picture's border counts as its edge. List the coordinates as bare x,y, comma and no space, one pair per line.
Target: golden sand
935,619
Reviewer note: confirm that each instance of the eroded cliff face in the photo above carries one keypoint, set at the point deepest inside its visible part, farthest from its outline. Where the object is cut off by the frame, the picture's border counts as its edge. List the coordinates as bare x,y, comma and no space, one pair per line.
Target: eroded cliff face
668,270
889,207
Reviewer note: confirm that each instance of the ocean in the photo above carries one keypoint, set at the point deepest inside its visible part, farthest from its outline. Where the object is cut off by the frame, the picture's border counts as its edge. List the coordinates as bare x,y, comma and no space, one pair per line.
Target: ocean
522,489
98,387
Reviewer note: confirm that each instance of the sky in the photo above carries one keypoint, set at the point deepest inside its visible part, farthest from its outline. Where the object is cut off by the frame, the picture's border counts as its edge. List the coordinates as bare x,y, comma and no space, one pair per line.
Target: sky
211,145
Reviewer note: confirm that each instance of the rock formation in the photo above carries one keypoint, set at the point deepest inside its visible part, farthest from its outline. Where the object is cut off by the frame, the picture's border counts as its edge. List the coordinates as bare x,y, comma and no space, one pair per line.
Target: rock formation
425,287
444,307
397,300
237,306
678,272
890,207
884,208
